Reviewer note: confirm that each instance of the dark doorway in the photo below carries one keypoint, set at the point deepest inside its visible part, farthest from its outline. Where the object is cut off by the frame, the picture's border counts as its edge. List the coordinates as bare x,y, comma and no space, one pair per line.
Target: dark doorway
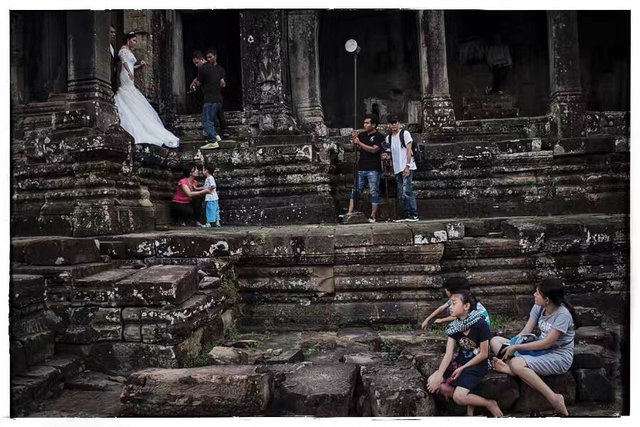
388,65
524,85
218,29
43,54
605,53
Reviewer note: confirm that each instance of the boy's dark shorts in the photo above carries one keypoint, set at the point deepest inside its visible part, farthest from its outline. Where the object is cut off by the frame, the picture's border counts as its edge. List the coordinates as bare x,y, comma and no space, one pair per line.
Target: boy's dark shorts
470,377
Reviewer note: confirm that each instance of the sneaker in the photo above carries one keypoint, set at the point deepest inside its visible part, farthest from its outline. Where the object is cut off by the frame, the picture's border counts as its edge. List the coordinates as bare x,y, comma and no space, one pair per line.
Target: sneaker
218,139
400,220
207,225
210,146
372,219
412,219
217,224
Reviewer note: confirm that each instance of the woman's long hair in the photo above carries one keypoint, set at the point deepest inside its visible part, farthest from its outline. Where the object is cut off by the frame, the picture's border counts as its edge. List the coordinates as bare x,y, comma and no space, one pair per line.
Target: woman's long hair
554,290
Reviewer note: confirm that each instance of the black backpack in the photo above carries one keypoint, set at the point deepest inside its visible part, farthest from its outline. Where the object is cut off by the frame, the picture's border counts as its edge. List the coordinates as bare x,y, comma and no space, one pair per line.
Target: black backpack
415,147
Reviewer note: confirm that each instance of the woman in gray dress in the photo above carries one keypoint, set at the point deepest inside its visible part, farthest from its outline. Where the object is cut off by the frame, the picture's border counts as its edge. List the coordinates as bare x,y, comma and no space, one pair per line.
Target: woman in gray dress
551,353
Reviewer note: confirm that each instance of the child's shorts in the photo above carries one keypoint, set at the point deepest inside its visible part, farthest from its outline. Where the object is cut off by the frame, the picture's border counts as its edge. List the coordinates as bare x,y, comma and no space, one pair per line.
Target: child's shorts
213,211
470,377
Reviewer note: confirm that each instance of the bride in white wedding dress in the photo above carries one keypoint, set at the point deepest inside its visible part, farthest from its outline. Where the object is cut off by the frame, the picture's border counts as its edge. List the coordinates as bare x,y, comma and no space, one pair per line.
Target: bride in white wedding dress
137,116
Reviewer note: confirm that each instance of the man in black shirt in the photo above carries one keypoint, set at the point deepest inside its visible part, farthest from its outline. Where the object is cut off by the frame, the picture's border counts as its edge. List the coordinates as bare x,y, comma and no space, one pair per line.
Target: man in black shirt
369,143
209,81
212,56
114,58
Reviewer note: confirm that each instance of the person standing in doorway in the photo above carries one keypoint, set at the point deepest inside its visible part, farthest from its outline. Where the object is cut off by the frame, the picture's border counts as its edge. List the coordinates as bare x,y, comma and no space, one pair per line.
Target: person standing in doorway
212,98
404,166
369,143
114,58
212,56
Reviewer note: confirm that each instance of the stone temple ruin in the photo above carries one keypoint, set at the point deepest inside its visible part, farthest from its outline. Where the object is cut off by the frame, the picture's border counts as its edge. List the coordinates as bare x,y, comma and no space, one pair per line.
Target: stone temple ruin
282,311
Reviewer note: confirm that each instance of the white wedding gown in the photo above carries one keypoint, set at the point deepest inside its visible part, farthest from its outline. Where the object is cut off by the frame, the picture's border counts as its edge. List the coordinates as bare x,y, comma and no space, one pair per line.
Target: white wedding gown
137,116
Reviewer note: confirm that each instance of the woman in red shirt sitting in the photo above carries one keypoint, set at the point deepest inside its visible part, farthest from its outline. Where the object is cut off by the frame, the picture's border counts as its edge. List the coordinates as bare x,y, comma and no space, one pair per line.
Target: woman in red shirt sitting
182,205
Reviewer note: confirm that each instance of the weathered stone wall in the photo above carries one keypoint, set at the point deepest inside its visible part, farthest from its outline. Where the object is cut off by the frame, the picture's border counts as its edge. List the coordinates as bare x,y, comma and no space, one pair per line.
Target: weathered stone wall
477,171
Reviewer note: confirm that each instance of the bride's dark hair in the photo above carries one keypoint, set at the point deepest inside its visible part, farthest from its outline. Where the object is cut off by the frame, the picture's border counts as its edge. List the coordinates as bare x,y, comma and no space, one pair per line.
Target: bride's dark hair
128,37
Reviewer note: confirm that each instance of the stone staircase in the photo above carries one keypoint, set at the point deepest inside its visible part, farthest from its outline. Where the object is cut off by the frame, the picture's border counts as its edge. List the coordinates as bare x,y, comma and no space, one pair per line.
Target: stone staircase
165,301
508,167
261,179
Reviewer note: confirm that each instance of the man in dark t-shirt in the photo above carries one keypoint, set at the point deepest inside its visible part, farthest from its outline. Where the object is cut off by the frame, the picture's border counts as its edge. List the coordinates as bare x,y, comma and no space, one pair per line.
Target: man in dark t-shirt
369,144
209,81
212,56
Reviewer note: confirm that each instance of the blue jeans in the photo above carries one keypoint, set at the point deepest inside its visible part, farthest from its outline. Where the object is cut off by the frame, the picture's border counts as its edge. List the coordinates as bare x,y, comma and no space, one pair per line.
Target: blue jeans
209,111
404,185
373,177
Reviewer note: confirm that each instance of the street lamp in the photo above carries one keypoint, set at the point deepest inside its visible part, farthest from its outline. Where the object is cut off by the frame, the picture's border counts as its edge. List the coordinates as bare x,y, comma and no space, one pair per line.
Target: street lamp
351,46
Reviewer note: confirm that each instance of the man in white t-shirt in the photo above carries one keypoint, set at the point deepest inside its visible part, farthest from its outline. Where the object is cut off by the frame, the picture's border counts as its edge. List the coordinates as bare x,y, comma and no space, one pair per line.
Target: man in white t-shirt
404,166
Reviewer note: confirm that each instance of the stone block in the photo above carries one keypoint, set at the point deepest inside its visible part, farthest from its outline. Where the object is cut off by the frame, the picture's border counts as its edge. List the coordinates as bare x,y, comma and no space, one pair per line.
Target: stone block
363,358
38,347
325,357
44,382
480,247
89,324
321,391
428,233
157,285
531,399
366,336
427,362
197,245
17,357
594,335
587,316
587,356
287,356
286,279
92,381
391,234
206,391
25,290
113,248
499,387
425,254
61,251
395,390
68,365
172,324
593,386
455,230
353,236
122,358
227,356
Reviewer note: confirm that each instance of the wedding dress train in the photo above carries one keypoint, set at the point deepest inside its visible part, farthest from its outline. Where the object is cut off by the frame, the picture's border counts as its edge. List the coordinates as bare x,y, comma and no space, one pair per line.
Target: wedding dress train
137,116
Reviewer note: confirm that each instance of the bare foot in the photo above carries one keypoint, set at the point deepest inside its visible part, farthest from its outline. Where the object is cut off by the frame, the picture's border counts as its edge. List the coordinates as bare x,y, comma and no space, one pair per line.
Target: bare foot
494,408
559,406
500,366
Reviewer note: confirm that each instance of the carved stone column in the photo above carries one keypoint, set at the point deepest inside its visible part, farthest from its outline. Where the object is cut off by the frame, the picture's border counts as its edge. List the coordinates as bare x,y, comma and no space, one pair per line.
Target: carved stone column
437,106
265,74
567,102
305,70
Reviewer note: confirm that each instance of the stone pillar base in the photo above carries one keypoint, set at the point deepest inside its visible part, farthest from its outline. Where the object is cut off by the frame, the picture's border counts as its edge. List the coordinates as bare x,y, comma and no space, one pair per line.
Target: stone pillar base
568,112
312,121
274,122
437,111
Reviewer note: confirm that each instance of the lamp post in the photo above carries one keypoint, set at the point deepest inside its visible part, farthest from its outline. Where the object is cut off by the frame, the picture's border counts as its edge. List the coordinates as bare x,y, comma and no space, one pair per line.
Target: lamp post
354,217
351,46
